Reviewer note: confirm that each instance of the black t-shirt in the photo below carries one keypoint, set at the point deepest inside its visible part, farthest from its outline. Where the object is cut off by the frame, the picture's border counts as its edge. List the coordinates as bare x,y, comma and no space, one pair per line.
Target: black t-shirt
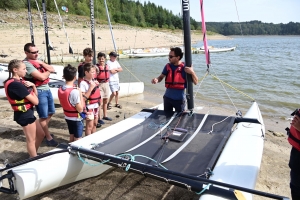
18,91
80,70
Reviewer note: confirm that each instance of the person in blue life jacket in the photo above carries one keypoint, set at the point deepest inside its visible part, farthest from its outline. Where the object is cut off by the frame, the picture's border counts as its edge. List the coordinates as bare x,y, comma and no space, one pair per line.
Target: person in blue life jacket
294,163
175,81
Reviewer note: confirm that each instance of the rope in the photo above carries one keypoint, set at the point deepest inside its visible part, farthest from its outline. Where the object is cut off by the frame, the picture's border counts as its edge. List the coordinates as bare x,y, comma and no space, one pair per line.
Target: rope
130,72
212,127
233,88
87,163
206,188
201,81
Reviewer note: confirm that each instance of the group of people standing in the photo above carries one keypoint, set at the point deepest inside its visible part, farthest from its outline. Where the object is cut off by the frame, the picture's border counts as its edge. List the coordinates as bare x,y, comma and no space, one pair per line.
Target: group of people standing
27,87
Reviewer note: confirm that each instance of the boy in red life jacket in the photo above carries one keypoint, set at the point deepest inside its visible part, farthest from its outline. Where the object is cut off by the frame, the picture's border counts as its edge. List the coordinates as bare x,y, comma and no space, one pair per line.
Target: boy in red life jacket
22,95
114,83
91,93
294,163
175,81
103,79
72,102
39,72
88,55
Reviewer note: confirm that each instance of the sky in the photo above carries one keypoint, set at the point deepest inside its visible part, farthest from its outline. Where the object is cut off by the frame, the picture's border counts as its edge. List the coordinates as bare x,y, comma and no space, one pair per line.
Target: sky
269,11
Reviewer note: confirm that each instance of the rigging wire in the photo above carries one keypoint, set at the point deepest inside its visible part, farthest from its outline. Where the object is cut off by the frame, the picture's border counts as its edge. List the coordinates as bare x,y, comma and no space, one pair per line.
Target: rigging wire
238,17
63,25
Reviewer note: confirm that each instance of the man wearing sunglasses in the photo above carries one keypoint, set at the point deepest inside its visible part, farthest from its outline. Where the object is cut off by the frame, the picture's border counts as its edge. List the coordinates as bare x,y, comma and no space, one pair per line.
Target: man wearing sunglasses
175,81
38,72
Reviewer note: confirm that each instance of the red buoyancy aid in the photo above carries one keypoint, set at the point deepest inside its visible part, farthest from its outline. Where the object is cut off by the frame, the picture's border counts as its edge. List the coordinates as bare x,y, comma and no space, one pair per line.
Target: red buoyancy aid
18,105
294,137
40,69
95,95
103,75
174,79
69,109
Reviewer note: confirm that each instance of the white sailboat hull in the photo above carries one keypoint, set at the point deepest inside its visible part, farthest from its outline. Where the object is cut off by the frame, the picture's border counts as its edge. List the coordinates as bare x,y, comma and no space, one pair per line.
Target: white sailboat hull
240,160
238,164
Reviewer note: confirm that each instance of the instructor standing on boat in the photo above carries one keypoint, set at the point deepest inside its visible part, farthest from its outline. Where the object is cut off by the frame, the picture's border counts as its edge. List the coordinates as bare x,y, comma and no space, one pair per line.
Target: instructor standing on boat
175,81
38,73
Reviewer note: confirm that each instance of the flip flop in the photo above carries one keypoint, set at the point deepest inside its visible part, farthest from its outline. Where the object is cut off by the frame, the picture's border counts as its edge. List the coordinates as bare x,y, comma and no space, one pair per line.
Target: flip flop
118,106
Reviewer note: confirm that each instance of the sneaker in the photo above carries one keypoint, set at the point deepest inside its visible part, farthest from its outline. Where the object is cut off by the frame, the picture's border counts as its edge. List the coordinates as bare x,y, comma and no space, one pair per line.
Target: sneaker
101,121
51,136
107,118
98,125
51,143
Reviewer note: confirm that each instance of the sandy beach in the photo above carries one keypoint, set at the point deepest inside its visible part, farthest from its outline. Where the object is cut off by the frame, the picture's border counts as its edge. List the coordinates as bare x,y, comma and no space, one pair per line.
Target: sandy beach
115,184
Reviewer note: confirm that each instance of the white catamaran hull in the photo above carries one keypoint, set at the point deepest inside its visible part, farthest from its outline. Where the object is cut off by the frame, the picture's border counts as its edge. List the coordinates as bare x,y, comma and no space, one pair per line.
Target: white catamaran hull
240,160
238,164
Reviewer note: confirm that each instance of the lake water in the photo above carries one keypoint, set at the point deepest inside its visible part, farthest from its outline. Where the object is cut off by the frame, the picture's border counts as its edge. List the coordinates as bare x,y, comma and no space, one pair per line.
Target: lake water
265,68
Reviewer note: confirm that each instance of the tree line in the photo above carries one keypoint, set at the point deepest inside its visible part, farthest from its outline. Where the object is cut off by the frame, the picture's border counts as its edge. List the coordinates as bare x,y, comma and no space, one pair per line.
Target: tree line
254,28
148,14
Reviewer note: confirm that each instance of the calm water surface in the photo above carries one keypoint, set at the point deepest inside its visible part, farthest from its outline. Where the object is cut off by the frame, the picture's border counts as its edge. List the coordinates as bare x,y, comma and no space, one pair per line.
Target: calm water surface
265,68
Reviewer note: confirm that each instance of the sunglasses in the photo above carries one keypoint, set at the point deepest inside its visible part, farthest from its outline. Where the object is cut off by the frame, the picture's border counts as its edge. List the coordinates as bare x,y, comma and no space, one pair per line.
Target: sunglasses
34,52
170,56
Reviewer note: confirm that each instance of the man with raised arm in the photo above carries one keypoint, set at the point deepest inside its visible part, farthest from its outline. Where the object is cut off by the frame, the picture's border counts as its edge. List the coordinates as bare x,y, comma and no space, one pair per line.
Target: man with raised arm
175,81
38,72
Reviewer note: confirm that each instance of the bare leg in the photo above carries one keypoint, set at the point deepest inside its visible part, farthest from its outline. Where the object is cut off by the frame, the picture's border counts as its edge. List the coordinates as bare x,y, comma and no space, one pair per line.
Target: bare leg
104,102
44,123
40,134
29,132
99,113
95,124
117,97
111,96
72,139
89,127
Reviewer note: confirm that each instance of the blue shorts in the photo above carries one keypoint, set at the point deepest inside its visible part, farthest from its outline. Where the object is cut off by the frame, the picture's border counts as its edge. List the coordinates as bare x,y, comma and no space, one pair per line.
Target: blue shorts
114,86
46,104
75,128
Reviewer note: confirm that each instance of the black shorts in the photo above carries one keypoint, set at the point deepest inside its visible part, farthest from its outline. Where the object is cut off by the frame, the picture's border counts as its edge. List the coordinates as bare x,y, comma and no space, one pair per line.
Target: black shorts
26,121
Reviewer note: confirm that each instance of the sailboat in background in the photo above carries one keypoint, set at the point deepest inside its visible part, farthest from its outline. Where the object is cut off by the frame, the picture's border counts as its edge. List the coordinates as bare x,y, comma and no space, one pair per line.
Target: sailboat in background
216,156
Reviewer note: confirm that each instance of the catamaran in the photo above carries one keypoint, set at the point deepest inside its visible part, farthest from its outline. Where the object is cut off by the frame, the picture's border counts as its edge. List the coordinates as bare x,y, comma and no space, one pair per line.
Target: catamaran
216,156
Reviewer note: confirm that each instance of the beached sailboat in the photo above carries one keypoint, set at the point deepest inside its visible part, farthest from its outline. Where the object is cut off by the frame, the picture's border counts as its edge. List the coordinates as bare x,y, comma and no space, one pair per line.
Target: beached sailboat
179,150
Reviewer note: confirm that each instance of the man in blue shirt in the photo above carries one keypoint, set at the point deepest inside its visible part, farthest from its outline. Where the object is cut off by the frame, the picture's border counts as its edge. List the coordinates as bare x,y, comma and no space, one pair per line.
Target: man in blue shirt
175,81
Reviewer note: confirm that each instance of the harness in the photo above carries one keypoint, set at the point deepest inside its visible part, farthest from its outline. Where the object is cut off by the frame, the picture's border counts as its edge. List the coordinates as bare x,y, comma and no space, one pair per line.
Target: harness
18,105
63,96
95,95
41,69
174,79
103,75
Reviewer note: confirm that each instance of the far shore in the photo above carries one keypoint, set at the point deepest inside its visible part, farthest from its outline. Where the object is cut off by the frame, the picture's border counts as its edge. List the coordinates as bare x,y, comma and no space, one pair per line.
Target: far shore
13,38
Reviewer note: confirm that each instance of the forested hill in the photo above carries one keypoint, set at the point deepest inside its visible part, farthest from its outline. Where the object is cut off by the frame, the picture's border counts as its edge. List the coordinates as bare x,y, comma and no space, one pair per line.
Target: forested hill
150,15
253,28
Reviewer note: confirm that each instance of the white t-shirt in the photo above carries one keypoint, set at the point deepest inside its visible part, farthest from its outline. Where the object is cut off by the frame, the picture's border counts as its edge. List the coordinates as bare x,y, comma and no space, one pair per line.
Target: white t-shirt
113,65
74,99
84,86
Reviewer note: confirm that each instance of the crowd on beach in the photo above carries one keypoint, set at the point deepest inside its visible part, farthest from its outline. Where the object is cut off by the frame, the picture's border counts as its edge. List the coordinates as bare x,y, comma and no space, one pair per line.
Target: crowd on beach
81,97
86,91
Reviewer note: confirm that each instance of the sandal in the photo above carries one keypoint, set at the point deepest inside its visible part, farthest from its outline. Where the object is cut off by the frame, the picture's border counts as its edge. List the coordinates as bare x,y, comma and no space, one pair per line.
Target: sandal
108,106
118,106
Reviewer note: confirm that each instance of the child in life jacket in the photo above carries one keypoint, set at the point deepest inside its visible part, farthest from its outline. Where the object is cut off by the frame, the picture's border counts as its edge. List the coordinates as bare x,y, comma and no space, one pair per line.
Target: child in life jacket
71,100
88,55
91,93
22,95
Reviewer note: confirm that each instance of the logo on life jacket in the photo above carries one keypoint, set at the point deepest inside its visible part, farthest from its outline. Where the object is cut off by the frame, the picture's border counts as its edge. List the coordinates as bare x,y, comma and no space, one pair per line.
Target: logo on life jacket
103,75
174,79
94,96
63,96
18,105
41,69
